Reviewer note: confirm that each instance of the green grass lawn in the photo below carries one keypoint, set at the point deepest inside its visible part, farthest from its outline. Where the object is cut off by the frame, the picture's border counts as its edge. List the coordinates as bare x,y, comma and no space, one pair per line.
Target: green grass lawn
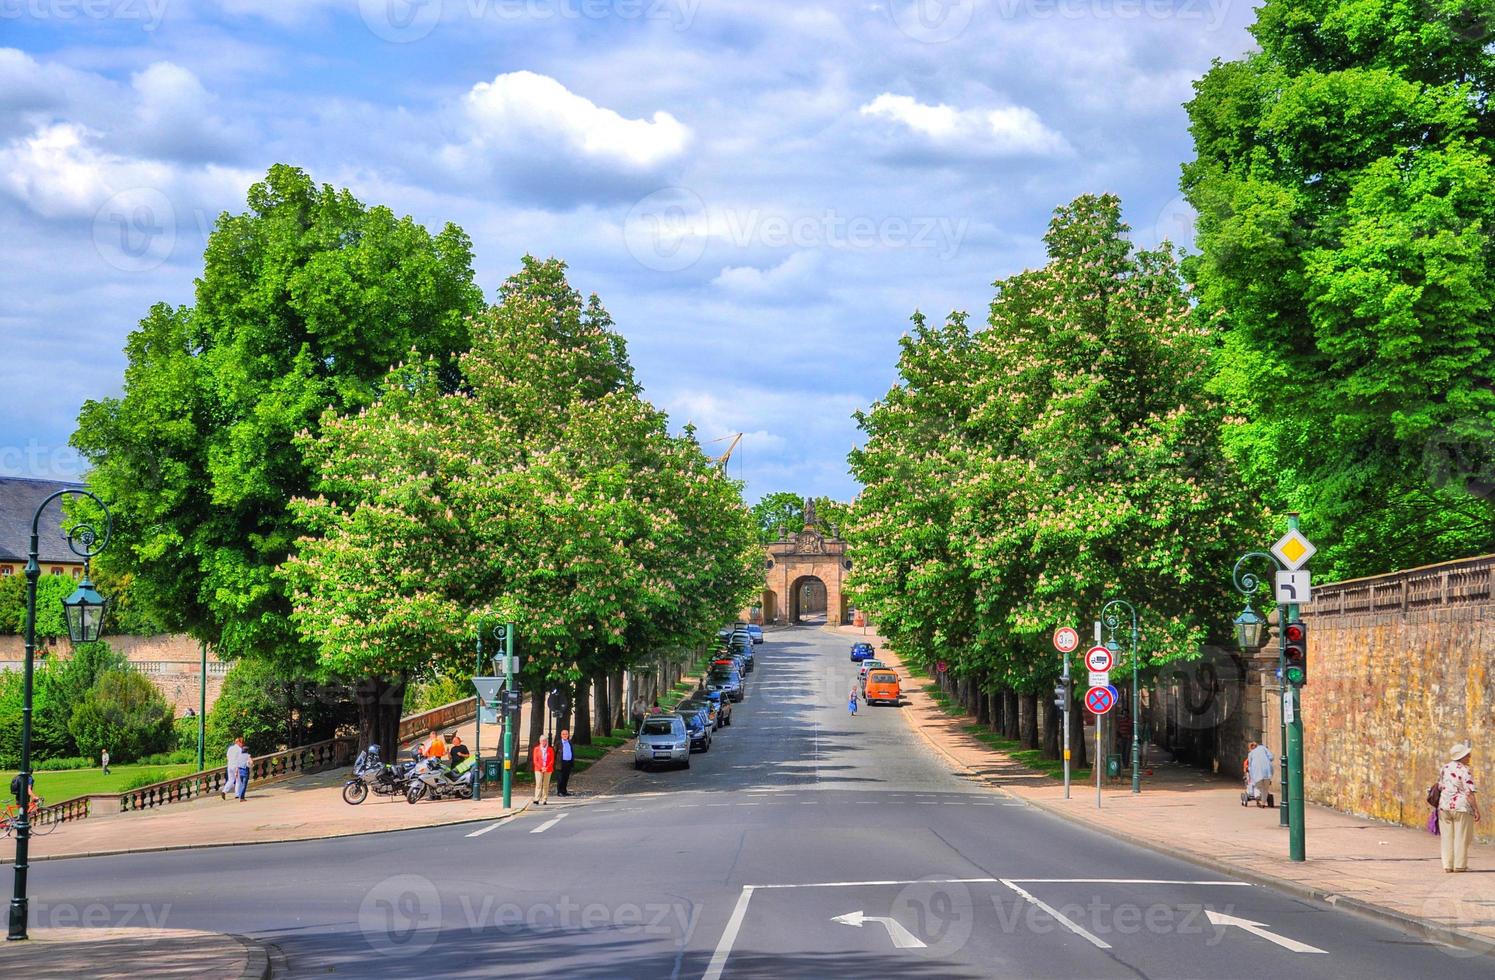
55,787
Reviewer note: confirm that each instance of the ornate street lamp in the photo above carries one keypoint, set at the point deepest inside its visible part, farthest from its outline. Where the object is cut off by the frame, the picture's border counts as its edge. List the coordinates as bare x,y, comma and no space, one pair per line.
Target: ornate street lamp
1249,630
1111,615
85,620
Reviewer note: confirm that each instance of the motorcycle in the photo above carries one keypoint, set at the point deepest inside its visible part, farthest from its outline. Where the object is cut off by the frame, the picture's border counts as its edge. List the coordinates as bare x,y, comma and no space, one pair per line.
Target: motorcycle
372,773
431,779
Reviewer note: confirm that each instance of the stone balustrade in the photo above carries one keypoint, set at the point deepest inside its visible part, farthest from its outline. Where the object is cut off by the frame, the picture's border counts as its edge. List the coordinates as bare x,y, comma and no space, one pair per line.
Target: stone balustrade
447,715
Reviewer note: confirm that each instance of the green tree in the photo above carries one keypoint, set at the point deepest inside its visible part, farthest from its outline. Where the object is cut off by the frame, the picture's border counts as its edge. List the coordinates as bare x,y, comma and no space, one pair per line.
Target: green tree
777,513
60,685
304,303
1346,198
124,713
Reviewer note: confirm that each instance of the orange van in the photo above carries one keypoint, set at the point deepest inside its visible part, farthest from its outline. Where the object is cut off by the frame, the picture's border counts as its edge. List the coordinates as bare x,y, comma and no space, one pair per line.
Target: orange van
882,685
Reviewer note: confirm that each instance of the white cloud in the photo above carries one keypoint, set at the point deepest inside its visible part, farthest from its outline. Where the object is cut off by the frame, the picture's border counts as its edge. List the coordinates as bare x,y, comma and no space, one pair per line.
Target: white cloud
750,280
174,117
1006,131
523,107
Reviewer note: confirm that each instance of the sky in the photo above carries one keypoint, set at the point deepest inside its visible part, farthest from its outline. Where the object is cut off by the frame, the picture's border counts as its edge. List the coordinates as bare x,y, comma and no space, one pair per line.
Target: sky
762,193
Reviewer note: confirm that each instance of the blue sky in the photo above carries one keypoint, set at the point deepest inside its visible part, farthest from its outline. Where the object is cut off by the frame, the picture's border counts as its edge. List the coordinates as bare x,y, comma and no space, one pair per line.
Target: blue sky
761,192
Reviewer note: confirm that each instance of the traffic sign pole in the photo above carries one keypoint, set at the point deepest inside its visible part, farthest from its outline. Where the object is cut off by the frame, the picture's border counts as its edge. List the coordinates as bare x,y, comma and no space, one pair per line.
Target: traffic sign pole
1067,706
1293,731
509,717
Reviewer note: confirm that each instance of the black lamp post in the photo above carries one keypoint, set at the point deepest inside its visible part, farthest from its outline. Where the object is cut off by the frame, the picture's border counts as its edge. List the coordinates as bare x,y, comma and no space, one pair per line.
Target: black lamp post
84,610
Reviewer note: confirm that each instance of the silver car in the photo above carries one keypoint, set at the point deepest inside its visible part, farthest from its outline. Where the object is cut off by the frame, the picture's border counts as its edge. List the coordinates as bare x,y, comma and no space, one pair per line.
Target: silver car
662,739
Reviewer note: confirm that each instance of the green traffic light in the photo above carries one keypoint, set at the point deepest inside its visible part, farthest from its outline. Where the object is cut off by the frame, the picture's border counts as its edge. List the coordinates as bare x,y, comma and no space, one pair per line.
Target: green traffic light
1295,675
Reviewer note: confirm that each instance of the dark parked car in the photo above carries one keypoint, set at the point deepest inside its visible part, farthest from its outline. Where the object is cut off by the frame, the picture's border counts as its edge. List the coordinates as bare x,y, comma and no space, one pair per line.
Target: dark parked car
862,651
728,681
698,724
723,708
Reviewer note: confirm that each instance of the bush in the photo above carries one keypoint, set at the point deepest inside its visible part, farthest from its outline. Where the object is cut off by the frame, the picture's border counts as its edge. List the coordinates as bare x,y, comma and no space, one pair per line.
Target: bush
176,757
273,712
145,777
425,695
125,714
62,683
63,764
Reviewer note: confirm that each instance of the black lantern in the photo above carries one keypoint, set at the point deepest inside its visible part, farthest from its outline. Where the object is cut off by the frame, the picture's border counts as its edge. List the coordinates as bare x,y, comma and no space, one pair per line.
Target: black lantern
84,610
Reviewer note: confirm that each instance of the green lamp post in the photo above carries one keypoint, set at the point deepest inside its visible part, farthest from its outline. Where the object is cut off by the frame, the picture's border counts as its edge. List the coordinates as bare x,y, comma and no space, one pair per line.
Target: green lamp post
84,613
1110,614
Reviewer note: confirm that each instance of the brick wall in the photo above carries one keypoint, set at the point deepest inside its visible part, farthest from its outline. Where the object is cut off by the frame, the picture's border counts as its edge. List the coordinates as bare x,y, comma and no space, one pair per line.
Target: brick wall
173,663
1399,670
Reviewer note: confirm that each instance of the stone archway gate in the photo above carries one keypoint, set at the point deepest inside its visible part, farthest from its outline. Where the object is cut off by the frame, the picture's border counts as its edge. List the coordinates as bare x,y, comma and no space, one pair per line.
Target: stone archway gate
796,557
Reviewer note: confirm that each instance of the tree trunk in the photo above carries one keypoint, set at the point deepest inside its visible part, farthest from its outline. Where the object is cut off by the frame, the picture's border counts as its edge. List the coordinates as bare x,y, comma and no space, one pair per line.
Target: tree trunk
536,720
983,708
1028,720
601,711
1076,736
581,732
1009,715
380,701
615,702
1053,730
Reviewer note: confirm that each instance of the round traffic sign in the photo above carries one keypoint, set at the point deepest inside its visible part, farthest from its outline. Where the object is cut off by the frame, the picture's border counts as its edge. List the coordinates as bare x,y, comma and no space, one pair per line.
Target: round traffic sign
941,667
1099,659
1066,639
1100,700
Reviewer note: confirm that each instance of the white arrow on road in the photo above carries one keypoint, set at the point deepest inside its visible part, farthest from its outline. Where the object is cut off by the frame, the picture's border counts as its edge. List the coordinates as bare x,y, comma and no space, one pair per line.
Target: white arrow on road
1259,929
902,938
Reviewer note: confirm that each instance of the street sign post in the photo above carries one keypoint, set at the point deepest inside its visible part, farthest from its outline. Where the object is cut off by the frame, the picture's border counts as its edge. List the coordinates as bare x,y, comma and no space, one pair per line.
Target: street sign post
1066,639
1100,678
1100,700
1293,549
1294,587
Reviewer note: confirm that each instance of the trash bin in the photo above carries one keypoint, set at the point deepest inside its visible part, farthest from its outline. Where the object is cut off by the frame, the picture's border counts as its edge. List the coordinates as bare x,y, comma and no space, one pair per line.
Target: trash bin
493,770
1113,765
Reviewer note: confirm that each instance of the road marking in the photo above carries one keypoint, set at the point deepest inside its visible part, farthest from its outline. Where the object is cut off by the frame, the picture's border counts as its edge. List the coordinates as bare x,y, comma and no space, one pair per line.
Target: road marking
1073,927
729,936
1124,881
902,938
492,826
549,823
1260,929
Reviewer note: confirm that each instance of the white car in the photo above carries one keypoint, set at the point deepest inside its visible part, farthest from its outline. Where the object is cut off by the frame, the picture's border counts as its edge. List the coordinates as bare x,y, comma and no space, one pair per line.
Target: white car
662,739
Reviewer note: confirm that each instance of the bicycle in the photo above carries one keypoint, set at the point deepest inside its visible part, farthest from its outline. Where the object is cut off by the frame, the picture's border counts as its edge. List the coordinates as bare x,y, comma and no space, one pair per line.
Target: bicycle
12,813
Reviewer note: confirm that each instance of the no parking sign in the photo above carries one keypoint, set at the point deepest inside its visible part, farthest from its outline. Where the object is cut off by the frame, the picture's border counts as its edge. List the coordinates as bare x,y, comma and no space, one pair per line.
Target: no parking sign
1100,699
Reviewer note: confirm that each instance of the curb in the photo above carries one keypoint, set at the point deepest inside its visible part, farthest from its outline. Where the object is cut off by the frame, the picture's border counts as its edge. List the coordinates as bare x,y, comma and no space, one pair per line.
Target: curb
278,840
256,959
1401,920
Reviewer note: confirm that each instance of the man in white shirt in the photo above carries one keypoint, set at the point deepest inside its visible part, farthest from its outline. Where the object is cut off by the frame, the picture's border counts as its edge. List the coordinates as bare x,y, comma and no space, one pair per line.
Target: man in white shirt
231,784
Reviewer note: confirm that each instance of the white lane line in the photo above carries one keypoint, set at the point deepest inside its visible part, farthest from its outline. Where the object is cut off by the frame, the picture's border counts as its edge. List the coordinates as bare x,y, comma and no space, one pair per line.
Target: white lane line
492,826
548,824
1123,881
1073,927
729,936
857,884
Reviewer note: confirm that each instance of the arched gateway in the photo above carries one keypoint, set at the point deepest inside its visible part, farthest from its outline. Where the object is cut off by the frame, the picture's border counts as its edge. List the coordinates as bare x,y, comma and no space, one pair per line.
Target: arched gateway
804,574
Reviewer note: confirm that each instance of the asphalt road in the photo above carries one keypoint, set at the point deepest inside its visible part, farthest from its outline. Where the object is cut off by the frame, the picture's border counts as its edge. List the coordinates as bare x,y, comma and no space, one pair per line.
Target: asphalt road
806,843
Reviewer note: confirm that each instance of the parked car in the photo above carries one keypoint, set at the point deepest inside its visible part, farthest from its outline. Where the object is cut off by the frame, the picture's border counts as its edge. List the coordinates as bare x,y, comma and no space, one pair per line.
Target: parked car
862,650
698,725
662,739
756,632
882,685
723,708
704,703
735,660
868,665
727,680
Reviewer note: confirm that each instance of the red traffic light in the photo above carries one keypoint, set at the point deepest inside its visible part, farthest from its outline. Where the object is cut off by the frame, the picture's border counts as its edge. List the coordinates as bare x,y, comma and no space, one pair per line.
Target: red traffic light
1296,633
1295,653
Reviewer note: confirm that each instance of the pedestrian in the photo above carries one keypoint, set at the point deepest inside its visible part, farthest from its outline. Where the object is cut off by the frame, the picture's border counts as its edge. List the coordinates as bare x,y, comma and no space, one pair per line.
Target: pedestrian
104,761
542,761
435,747
1458,808
567,761
1259,774
852,704
655,709
244,762
456,751
639,709
231,771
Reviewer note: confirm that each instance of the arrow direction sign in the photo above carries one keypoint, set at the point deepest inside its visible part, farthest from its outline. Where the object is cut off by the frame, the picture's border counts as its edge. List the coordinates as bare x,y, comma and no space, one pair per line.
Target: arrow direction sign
1260,929
902,938
1294,587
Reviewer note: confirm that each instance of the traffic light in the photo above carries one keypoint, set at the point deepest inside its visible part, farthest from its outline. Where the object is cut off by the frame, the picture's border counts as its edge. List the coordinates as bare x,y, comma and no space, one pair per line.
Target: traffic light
1061,695
1295,653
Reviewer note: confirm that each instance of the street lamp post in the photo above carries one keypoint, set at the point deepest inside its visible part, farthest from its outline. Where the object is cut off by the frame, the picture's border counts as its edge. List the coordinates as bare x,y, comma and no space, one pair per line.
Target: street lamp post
84,612
1112,618
1249,627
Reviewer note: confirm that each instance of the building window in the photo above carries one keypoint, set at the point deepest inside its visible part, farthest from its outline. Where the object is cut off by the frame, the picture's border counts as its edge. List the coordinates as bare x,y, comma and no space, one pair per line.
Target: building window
7,570
77,572
57,570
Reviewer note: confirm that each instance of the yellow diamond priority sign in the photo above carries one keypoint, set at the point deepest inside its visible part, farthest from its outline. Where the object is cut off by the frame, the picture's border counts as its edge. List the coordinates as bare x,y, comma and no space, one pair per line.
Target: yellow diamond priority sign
1293,550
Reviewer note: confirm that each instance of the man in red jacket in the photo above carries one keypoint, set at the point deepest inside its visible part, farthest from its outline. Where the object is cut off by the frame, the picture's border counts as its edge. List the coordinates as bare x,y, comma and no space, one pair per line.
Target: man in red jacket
542,761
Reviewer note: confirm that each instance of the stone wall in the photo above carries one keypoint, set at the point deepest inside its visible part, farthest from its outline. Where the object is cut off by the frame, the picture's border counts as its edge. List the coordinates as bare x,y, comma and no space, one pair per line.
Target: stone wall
1399,670
173,663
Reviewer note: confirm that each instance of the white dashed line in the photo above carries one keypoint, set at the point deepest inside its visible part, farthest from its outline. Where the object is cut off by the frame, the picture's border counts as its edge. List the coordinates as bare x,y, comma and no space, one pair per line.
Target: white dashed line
549,823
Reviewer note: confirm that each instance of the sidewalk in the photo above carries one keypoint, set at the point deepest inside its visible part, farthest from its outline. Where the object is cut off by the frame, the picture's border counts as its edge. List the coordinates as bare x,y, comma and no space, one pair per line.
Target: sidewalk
1384,870
67,954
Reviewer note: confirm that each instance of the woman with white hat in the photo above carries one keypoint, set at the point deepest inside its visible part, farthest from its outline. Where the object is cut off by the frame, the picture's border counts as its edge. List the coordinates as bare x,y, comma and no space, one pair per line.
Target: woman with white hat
1458,808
